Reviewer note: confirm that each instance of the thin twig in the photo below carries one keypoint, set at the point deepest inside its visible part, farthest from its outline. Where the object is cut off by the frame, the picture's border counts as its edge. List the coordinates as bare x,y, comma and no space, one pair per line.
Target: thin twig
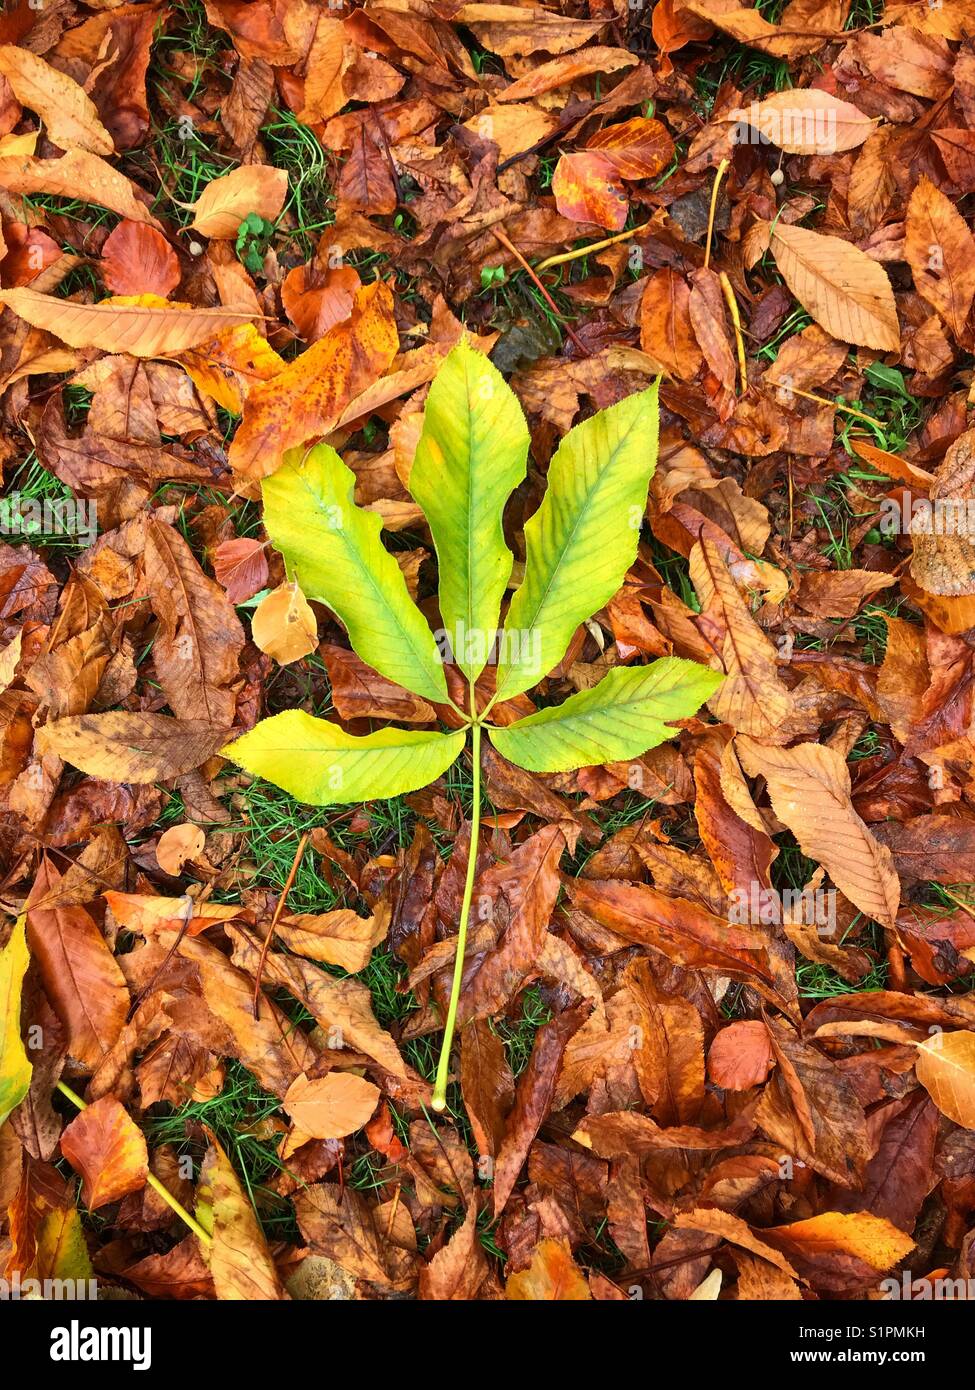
581,251
513,250
732,302
722,167
274,920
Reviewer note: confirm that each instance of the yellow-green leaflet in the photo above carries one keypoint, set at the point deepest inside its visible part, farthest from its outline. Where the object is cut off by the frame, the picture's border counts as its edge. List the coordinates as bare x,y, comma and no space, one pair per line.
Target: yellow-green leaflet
320,764
583,538
619,718
470,458
332,548
15,1067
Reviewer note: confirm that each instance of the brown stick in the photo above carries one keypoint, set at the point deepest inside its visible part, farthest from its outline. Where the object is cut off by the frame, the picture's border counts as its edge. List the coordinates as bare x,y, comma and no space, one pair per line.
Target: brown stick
274,920
513,250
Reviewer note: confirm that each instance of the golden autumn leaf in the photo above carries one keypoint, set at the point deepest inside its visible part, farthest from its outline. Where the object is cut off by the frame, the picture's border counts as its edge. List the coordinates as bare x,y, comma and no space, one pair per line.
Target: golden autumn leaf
306,399
946,1070
67,111
108,1149
552,1277
225,202
142,325
846,292
869,1238
240,1261
807,121
331,1106
809,787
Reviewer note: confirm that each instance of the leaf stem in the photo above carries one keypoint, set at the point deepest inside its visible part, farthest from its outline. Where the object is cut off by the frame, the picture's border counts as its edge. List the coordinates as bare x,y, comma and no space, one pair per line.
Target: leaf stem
439,1100
151,1179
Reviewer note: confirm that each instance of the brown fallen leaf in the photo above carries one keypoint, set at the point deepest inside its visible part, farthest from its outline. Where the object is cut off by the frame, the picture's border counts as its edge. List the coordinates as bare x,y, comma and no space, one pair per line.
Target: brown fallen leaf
806,121
108,1149
741,1056
846,292
143,325
809,787
944,550
136,259
940,250
178,844
331,1106
340,937
103,184
123,747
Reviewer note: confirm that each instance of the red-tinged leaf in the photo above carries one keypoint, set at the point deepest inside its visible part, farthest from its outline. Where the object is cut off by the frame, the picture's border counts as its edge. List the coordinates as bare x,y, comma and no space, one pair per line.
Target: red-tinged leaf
587,189
136,259
741,1056
109,1151
80,975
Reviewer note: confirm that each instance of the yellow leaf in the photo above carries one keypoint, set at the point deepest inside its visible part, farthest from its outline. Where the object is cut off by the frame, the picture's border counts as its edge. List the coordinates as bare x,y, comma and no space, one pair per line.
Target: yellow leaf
946,1070
15,1067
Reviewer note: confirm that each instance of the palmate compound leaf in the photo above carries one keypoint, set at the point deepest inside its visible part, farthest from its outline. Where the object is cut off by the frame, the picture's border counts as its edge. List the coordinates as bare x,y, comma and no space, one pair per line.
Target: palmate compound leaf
619,718
583,538
470,458
320,764
332,548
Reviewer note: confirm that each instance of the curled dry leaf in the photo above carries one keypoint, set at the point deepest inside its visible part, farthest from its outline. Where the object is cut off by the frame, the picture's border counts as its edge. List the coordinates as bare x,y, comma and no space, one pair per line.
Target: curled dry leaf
283,624
178,844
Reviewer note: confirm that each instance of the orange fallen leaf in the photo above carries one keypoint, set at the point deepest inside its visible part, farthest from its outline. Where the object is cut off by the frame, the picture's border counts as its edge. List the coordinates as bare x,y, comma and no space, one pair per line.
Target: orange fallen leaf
108,1149
552,1277
331,1106
225,202
946,1070
176,845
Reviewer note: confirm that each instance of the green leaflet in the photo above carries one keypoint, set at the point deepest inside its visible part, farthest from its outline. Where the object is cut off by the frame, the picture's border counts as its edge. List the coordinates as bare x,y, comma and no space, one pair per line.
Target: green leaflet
333,549
583,538
470,458
320,764
619,718
15,1067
